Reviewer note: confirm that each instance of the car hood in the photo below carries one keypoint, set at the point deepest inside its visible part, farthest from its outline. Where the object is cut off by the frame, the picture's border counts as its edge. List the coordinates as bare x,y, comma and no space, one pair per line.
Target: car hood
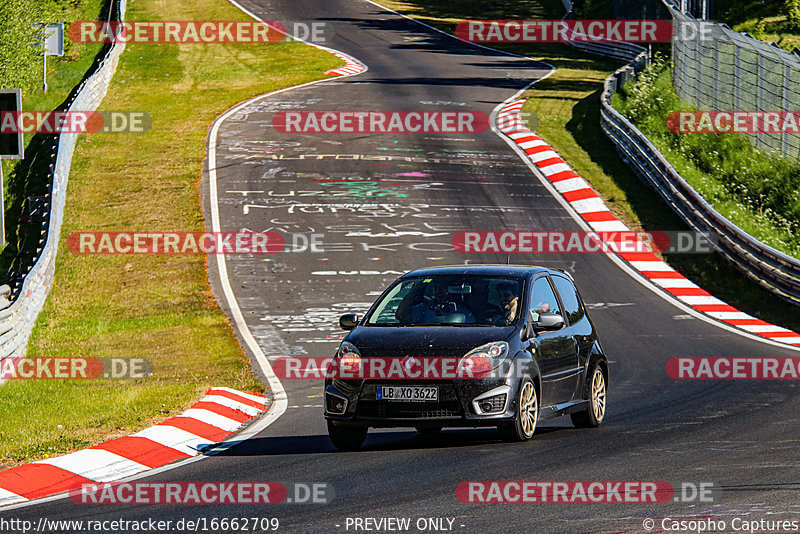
373,341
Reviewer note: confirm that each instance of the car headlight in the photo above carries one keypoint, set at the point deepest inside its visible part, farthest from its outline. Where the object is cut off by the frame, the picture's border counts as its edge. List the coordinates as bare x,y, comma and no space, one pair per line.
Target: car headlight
484,359
349,358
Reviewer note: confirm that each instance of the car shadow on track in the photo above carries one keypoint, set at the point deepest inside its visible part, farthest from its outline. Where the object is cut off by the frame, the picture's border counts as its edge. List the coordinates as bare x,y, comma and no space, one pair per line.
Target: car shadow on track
376,441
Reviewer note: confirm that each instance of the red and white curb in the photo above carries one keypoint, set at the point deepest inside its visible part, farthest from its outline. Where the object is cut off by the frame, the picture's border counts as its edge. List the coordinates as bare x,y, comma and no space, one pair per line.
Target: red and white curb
212,419
351,65
586,202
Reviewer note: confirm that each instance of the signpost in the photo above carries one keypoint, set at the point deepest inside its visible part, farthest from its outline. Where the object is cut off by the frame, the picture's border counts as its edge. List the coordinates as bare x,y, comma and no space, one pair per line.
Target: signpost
53,45
11,145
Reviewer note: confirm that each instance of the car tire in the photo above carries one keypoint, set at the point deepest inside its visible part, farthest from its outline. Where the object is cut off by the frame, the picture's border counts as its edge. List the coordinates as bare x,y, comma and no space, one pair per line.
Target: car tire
524,424
345,437
428,430
595,391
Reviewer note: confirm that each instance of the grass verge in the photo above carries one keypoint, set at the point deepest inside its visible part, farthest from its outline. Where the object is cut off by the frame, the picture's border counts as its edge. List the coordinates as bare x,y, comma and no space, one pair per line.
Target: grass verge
568,108
157,307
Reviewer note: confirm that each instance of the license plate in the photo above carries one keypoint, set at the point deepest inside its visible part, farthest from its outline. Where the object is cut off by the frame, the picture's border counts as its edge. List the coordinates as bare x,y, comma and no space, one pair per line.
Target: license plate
408,393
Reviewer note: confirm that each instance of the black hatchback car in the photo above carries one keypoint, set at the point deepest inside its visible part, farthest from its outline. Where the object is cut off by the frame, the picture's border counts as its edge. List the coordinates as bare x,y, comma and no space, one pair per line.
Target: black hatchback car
475,345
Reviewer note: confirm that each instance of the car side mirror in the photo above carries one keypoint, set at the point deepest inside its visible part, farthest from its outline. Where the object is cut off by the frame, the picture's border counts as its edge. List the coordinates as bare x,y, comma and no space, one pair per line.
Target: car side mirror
548,322
348,321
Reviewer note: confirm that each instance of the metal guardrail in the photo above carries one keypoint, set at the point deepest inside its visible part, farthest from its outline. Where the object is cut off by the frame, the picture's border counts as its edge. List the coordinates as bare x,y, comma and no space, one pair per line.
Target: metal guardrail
620,51
769,268
18,312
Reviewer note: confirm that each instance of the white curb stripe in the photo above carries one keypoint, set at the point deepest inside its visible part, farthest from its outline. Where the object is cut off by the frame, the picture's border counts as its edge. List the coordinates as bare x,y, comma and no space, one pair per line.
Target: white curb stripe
531,144
542,156
211,418
762,328
230,403
609,226
96,464
589,205
652,266
674,282
700,299
6,497
555,168
730,315
174,438
572,184
256,398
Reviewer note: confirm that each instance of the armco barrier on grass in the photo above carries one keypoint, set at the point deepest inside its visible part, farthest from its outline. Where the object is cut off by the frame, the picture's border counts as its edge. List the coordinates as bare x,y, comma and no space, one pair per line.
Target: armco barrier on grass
769,268
592,209
20,306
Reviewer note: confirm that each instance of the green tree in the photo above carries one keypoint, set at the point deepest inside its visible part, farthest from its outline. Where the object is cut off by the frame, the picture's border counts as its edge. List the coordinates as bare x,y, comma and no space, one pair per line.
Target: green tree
792,11
760,30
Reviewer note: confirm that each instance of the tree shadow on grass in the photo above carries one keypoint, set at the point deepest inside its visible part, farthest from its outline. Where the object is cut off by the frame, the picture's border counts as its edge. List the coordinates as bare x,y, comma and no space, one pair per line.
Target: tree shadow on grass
584,126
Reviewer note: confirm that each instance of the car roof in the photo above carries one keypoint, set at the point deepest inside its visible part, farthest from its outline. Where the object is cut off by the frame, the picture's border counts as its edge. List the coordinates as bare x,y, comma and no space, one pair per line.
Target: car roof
516,271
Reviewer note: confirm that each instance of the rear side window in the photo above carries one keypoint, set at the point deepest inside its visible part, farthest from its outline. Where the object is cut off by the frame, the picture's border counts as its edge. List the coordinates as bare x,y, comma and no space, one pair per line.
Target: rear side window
543,300
572,304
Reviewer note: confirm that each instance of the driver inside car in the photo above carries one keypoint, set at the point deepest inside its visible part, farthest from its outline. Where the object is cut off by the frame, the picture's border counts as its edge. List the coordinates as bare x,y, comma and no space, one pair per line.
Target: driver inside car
509,300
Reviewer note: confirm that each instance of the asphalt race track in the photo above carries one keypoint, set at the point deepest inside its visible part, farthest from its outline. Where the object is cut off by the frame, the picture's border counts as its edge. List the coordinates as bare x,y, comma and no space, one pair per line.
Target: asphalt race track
413,193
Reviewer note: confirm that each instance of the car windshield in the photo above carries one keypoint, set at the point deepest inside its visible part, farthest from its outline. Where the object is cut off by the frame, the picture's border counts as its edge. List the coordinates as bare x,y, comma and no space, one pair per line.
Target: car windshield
451,300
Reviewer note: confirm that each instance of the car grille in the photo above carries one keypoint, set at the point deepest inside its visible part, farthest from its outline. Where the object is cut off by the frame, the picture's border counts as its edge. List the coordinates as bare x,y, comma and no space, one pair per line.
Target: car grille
407,410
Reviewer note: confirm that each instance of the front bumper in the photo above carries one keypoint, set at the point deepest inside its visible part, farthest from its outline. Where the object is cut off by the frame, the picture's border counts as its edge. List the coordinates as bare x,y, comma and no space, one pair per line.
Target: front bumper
482,402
